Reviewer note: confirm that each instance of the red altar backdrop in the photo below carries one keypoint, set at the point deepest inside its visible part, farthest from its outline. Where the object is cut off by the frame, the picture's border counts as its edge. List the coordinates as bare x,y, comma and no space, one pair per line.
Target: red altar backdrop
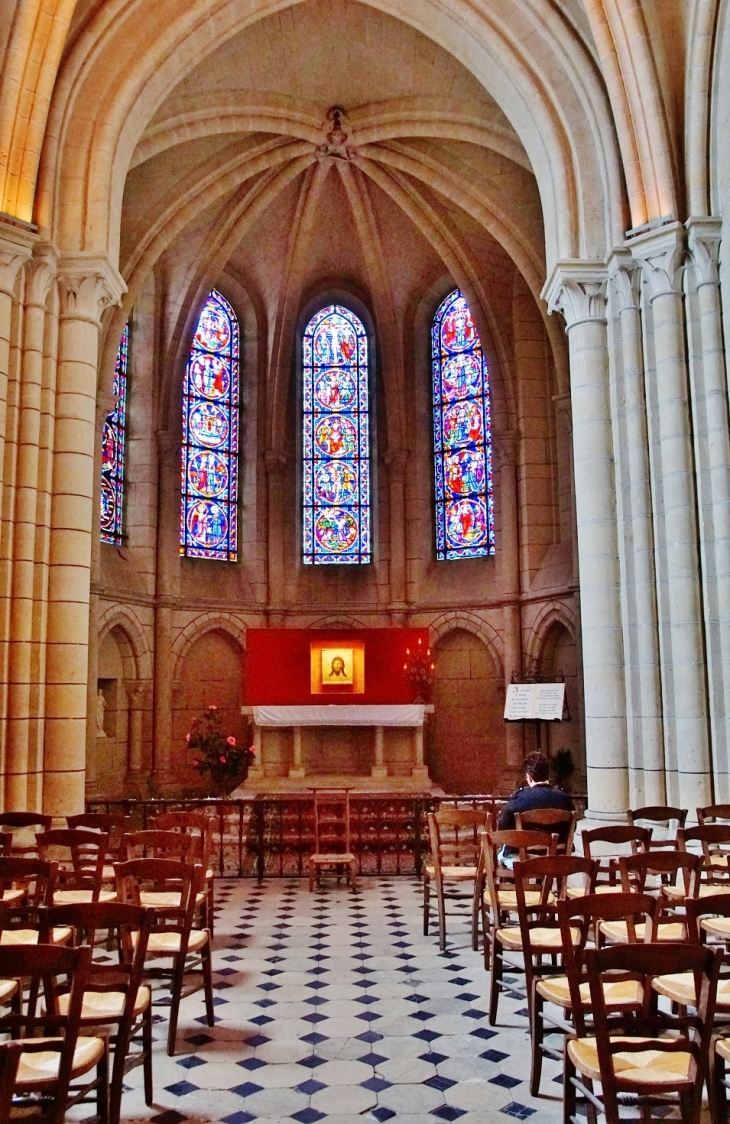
276,668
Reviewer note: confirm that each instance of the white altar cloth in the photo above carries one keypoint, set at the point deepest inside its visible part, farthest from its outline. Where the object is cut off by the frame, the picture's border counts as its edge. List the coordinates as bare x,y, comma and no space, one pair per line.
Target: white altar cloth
343,714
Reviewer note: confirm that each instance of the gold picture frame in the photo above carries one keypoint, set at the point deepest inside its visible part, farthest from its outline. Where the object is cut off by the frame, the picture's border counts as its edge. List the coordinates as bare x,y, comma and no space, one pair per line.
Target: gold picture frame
337,668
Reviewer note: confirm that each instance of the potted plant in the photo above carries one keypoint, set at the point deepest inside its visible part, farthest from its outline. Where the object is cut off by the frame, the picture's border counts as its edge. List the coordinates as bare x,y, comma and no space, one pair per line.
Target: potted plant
216,754
562,767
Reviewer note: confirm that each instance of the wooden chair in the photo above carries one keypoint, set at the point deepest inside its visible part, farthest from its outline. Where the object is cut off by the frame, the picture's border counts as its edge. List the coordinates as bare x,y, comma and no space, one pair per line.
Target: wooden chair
80,856
9,1060
630,1051
113,824
495,897
455,837
115,1000
569,993
172,936
24,827
622,840
332,836
522,947
714,841
708,922
713,813
661,817
32,883
200,827
156,844
634,870
556,821
53,1070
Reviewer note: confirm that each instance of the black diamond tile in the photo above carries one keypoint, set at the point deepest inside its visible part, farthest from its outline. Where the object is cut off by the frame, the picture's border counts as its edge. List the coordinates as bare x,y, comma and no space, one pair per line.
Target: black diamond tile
369,1036
264,1002
310,1086
474,1013
192,1062
232,958
226,972
367,999
422,1016
448,1112
315,1017
504,1081
261,1020
368,1016
518,1111
257,1040
313,1062
495,1056
314,1038
239,1117
416,998
172,1116
482,1032
440,1083
427,1035
308,1115
467,997
459,981
182,1088
407,968
372,1059
376,1084
251,1063
433,1057
247,1089
200,1039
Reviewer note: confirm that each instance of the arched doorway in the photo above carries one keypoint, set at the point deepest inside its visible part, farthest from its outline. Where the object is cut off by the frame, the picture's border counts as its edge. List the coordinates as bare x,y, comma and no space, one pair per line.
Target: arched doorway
467,745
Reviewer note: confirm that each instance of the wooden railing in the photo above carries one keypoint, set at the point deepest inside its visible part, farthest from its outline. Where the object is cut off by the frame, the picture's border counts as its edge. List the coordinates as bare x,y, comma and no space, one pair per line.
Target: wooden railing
271,836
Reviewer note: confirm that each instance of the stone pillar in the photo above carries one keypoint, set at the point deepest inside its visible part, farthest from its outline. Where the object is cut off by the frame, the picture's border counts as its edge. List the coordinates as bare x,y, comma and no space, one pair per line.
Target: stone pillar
167,585
419,769
636,543
138,700
275,467
40,274
660,254
709,390
256,769
16,245
507,448
87,285
577,290
297,769
396,465
379,768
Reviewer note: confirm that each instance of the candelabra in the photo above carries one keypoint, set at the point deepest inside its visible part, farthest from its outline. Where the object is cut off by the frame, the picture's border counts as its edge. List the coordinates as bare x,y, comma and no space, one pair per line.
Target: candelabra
419,670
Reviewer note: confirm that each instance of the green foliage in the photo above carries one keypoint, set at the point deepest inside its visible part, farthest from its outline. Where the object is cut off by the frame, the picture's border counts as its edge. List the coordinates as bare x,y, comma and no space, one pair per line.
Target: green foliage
562,766
216,753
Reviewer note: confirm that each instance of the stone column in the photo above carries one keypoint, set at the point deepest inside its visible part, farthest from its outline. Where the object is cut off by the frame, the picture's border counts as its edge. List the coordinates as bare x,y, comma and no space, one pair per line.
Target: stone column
297,769
87,285
684,690
40,274
507,447
275,467
577,290
138,701
396,464
419,769
379,768
16,245
709,390
256,769
167,585
636,543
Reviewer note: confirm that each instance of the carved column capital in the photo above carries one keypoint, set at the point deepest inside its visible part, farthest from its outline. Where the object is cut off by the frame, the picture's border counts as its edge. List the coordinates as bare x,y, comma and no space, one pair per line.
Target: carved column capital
703,241
577,290
275,464
16,247
87,285
395,461
661,254
40,273
624,281
506,448
139,695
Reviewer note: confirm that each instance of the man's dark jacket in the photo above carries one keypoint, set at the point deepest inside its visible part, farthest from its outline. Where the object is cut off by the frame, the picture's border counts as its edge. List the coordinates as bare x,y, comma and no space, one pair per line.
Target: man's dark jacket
527,799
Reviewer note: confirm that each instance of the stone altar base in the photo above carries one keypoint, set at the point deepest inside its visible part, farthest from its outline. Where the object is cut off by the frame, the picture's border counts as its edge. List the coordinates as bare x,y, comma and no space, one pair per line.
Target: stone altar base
383,785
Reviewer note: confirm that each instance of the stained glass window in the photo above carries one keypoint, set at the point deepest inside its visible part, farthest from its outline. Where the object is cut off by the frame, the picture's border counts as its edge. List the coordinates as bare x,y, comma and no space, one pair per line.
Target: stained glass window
336,439
462,434
208,524
112,451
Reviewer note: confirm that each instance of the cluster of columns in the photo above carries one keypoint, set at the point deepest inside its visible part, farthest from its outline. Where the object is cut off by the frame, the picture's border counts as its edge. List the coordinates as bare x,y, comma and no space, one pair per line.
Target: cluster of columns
51,307
651,449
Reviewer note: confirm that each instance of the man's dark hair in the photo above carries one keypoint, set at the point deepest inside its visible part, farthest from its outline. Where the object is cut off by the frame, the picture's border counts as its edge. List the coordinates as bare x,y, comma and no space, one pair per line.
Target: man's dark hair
537,766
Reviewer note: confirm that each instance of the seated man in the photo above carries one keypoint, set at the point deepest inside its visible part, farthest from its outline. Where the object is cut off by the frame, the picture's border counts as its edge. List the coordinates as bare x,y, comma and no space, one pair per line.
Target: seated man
536,793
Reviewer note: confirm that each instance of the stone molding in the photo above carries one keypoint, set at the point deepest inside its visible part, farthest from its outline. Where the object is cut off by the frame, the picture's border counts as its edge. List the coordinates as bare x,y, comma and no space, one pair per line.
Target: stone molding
207,622
16,248
624,280
555,612
703,242
661,255
40,272
577,290
88,284
122,616
506,448
469,622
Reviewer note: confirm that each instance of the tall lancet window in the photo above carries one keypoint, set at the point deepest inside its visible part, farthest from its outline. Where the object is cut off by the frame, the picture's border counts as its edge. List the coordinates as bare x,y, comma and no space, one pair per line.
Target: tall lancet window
462,434
208,525
112,451
336,440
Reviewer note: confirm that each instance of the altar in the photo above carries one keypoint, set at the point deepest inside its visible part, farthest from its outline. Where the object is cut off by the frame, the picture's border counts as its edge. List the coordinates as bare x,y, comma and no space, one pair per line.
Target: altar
269,773
360,731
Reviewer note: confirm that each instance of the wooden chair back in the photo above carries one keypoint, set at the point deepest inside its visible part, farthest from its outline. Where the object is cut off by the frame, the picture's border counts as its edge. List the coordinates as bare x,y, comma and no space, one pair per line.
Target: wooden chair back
498,878
664,865
713,813
714,841
331,821
156,844
556,821
162,876
586,914
113,824
80,855
196,824
619,838
620,1031
24,827
659,816
455,836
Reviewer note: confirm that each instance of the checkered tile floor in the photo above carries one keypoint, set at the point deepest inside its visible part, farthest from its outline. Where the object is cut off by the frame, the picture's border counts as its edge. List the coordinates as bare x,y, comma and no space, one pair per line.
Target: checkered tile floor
334,1006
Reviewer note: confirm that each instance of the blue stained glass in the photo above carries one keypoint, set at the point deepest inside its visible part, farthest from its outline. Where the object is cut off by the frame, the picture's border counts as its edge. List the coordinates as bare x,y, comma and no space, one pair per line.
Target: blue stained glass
336,451
462,435
112,451
208,518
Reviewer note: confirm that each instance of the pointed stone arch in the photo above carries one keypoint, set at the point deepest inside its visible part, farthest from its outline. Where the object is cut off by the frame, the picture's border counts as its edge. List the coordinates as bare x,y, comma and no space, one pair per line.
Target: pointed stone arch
125,618
470,622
